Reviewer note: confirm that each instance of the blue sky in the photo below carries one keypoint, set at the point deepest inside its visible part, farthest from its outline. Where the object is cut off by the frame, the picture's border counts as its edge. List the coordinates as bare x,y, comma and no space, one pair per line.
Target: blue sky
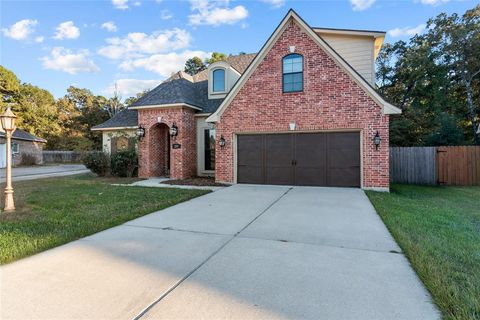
138,43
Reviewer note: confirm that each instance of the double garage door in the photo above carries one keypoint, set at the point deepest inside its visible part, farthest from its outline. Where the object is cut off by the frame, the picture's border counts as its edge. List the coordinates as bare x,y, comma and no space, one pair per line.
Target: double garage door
305,159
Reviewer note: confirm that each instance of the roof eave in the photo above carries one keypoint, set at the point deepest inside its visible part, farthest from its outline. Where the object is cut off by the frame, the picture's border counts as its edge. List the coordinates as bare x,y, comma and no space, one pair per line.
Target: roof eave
169,105
114,128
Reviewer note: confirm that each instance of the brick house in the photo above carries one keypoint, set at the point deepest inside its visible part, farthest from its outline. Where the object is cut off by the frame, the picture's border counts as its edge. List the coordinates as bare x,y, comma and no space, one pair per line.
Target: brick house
26,148
301,111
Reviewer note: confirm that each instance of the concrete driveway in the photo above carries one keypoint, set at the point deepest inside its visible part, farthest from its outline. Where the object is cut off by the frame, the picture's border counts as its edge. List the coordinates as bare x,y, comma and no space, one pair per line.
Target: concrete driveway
244,252
47,171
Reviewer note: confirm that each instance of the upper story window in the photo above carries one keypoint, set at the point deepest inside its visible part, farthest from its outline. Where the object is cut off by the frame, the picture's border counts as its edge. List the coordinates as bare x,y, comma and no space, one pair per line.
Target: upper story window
293,73
219,80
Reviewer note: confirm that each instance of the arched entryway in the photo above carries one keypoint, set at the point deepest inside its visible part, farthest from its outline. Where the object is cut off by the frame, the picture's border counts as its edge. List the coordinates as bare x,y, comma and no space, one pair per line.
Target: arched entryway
159,141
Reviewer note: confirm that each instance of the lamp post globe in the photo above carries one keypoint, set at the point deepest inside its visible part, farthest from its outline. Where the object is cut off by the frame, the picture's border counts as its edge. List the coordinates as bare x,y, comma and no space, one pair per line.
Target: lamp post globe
7,120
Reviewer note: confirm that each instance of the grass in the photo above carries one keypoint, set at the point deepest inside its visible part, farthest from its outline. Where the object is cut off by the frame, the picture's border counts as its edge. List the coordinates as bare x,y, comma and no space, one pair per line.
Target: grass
438,228
51,212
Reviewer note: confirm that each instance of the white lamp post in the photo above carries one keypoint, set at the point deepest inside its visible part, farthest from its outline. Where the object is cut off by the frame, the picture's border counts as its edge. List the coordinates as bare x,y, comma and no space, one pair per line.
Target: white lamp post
7,120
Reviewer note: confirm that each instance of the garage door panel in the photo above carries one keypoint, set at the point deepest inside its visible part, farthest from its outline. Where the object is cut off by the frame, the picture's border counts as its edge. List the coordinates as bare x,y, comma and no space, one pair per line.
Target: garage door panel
250,174
279,175
250,167
339,140
279,150
343,177
310,176
310,150
250,150
309,159
340,158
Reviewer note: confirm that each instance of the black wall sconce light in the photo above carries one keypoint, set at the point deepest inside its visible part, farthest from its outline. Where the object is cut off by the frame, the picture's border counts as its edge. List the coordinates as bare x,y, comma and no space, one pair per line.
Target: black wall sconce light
140,132
173,130
377,140
221,141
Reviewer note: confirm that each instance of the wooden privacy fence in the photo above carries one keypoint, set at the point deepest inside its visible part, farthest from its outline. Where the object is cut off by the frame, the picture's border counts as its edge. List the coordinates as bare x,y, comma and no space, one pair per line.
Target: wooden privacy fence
435,165
52,156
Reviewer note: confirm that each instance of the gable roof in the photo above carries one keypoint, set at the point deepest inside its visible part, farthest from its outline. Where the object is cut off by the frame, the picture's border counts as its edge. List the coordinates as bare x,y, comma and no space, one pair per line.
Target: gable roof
127,118
19,134
387,107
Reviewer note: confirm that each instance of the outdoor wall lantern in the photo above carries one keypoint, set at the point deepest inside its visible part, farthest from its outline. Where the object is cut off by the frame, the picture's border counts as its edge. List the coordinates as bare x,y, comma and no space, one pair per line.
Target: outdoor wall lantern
377,140
173,130
140,132
221,141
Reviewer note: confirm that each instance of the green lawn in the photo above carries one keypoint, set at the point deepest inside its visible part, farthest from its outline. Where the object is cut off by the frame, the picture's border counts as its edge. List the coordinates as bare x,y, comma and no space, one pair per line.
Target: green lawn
438,228
51,212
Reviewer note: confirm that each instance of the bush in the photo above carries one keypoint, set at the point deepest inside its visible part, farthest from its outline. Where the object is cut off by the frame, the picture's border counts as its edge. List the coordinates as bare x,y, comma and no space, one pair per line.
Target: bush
125,163
28,160
97,162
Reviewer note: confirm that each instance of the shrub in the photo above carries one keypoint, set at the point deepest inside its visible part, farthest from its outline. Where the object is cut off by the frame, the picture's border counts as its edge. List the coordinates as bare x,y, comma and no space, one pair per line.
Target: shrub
97,162
28,160
125,163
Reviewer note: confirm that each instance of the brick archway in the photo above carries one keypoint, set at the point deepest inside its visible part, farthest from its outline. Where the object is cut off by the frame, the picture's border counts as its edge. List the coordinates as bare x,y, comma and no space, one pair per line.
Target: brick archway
159,158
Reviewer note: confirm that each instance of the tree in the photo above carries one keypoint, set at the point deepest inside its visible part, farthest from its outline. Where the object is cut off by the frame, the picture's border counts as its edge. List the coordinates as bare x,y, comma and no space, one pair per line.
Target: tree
432,77
216,56
194,65
458,39
9,86
37,111
114,104
131,100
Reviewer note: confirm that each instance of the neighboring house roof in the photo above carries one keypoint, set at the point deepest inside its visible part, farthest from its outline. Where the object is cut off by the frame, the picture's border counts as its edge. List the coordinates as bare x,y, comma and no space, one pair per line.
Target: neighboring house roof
123,120
387,107
24,135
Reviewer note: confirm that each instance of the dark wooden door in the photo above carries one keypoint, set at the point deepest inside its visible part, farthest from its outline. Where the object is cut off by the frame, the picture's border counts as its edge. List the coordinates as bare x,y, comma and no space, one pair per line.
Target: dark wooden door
343,159
304,159
310,159
279,159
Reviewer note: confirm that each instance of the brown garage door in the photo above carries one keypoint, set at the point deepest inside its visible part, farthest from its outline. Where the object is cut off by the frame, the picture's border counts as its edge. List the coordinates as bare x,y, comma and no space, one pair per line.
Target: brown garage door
306,159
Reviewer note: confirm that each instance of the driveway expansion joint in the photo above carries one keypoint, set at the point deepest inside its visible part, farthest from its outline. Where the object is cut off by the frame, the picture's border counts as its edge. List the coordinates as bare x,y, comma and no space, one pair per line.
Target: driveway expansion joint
173,287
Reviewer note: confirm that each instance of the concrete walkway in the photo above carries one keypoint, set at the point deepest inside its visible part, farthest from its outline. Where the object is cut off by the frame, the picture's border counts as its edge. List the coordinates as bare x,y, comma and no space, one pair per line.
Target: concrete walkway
243,252
47,171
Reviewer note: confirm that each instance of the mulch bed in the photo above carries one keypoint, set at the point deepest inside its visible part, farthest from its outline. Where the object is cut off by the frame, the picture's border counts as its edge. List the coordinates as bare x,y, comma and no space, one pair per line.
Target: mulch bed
197,181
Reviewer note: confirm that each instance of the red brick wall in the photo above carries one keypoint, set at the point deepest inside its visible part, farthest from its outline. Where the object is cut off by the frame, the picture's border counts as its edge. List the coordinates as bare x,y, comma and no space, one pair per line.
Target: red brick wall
331,100
183,161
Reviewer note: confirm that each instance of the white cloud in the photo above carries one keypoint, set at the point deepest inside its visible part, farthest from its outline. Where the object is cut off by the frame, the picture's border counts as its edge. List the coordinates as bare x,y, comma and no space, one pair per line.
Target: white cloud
137,3
407,31
120,4
163,64
275,3
130,87
67,30
62,59
39,39
215,13
360,5
137,44
166,14
21,29
433,2
109,26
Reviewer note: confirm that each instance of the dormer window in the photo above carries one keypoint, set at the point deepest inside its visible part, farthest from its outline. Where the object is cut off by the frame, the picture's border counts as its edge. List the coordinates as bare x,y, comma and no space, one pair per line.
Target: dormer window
293,73
219,80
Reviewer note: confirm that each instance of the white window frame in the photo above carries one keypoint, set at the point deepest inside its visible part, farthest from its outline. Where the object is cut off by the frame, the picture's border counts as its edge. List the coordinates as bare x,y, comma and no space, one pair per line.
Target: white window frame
225,74
18,148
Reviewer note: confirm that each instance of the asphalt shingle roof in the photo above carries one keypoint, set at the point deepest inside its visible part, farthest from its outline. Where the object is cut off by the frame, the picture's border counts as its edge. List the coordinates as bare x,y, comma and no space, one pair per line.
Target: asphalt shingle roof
125,118
179,88
24,135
